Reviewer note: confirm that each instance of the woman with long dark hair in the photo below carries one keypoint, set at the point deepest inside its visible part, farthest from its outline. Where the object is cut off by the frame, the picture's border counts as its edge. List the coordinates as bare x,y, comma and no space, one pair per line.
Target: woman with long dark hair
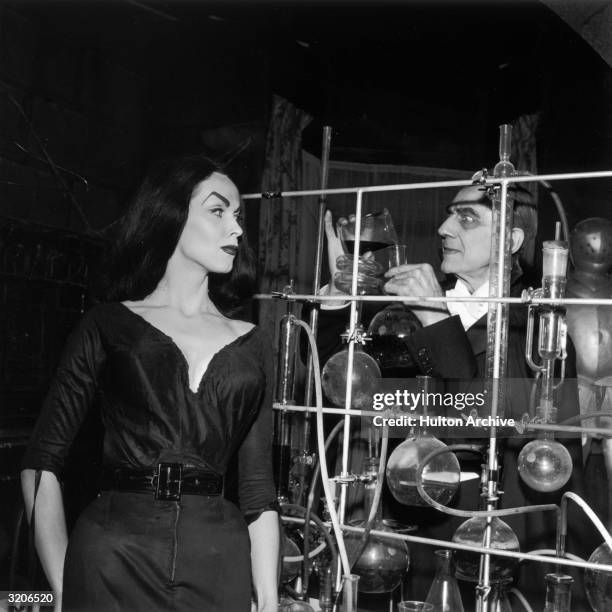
182,388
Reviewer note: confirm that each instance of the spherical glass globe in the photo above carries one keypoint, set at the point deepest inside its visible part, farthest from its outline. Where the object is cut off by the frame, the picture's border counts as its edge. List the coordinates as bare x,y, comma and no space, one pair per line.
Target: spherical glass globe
598,585
440,477
544,465
365,379
472,532
388,331
383,562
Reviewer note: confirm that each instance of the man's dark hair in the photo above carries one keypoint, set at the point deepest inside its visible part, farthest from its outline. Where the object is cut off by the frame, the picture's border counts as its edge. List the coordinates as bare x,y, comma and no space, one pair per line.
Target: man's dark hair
525,218
149,231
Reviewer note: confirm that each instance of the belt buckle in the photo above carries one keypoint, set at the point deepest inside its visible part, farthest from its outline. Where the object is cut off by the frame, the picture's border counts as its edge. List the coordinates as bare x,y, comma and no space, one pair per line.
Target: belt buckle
169,480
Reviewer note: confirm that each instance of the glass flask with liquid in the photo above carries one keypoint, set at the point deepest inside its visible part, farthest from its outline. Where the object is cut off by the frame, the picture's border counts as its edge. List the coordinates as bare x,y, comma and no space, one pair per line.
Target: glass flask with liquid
444,592
440,476
388,331
472,532
382,562
364,380
558,593
597,584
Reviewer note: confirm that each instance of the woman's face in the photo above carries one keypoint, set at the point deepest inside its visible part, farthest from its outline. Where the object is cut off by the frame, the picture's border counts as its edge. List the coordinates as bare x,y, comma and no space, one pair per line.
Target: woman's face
211,232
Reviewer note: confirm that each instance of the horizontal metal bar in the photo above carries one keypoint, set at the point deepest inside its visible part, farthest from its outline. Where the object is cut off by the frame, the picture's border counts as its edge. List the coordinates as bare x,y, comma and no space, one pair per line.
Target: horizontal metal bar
569,428
440,184
434,299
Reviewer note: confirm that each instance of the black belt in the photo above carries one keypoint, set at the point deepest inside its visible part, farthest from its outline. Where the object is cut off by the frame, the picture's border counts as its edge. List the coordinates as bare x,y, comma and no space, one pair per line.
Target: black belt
166,481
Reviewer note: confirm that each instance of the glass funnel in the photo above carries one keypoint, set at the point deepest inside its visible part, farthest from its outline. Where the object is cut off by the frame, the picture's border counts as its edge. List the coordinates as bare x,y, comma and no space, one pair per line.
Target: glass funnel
598,585
383,561
444,592
471,532
365,378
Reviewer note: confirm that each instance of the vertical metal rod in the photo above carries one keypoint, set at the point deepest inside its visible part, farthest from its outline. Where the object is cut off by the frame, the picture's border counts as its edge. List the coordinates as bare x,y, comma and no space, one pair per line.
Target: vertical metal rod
346,441
314,313
496,362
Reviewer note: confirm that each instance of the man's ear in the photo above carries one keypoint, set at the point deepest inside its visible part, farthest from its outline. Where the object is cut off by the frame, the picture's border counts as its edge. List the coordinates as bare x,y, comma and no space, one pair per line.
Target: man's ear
518,236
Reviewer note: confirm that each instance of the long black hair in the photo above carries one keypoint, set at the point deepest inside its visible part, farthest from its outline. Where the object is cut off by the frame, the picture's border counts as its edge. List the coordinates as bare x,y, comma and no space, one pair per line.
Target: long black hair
147,235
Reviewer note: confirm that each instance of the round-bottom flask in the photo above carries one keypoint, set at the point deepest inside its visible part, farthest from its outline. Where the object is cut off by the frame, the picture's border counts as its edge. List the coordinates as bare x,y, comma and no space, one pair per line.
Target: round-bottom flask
383,561
472,532
598,585
544,465
365,378
440,477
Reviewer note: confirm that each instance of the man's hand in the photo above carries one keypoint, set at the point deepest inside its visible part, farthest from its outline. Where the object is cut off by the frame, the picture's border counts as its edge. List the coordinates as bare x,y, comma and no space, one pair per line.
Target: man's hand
416,280
334,250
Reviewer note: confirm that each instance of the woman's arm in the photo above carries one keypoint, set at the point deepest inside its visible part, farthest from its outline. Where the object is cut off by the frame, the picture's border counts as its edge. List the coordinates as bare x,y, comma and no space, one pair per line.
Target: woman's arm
265,542
50,526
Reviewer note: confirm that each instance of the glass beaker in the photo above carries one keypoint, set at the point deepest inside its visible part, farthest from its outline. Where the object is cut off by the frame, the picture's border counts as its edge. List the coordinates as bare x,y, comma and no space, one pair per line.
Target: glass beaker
598,585
444,592
558,593
377,232
414,606
471,532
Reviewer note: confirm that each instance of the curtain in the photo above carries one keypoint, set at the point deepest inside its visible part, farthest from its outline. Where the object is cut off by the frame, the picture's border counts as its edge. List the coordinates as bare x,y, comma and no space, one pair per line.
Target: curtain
279,230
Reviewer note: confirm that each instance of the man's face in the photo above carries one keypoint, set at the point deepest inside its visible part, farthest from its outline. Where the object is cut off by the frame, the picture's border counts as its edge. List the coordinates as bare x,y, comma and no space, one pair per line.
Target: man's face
466,239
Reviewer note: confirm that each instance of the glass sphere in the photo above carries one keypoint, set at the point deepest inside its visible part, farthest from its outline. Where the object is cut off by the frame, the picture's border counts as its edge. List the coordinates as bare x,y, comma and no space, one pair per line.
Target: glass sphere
290,548
598,585
472,532
383,562
365,379
388,331
440,477
544,465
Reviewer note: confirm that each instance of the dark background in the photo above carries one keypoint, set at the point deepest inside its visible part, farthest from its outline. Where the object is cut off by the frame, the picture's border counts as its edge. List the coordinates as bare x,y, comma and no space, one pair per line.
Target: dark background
91,92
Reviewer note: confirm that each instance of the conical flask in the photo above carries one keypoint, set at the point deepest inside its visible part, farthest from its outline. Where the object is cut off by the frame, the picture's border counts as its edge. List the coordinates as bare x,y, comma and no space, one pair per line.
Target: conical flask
498,600
382,563
444,591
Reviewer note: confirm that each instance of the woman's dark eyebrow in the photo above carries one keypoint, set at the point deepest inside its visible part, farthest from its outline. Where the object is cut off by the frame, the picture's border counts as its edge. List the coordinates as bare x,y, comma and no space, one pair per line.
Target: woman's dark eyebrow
222,198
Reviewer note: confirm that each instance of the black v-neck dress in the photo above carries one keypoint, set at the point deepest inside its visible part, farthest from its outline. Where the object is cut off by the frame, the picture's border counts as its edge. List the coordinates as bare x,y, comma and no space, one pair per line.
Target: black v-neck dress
127,550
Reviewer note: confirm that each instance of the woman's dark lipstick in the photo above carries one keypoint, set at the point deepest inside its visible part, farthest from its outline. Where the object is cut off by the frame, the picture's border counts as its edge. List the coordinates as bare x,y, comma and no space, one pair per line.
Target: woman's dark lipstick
230,249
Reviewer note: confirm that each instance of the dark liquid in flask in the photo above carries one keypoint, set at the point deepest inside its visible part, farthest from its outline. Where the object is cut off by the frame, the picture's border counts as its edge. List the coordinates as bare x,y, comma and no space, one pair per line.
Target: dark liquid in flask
364,246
